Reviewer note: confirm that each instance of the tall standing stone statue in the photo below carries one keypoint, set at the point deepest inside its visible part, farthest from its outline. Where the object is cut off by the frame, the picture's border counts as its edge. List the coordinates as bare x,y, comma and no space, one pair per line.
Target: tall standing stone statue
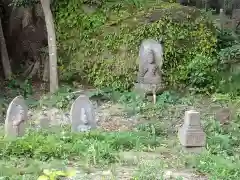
82,114
16,117
150,68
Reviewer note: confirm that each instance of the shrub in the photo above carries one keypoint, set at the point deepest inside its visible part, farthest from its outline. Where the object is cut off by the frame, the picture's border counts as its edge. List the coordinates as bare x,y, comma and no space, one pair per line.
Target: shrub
226,39
229,59
95,146
203,73
102,46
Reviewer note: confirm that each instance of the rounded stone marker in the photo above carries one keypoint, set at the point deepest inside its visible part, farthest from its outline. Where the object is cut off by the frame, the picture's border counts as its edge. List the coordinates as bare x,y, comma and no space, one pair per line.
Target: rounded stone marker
16,117
82,114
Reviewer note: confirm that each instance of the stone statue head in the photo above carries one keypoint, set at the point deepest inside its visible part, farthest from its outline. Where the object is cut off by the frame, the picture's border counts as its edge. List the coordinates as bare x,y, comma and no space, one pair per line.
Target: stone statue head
151,58
84,116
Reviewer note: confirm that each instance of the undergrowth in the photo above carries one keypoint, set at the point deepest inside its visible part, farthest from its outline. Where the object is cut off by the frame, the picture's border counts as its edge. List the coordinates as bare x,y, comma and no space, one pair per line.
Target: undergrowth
101,47
94,147
220,160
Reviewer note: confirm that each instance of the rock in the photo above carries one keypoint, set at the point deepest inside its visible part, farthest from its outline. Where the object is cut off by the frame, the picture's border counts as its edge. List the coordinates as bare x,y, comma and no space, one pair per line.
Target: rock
44,121
56,117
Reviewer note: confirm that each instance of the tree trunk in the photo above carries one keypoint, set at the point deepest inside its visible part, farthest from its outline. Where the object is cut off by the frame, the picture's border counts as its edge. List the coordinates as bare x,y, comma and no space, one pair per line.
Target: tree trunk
4,55
51,45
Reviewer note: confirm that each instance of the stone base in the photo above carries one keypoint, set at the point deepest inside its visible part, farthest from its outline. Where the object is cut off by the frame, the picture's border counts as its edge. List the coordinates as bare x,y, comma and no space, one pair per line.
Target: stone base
195,150
191,136
146,89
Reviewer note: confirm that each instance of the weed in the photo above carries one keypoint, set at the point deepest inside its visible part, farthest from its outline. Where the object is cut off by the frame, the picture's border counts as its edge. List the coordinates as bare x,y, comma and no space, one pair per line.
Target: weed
95,147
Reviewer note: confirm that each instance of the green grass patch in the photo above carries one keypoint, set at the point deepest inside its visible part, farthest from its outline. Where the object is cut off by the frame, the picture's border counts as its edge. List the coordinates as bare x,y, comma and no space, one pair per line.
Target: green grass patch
95,147
156,136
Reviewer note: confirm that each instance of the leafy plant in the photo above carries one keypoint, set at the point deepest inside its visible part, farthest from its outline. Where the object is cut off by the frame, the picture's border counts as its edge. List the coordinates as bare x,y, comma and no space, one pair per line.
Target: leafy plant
62,99
203,73
54,174
230,54
93,148
229,59
102,47
225,39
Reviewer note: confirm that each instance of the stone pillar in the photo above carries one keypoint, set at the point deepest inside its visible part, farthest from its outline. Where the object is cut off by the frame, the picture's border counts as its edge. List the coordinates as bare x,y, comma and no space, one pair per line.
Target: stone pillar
191,133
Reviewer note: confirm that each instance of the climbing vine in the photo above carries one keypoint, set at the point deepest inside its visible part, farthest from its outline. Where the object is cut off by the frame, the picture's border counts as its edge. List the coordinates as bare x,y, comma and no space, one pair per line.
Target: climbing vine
100,45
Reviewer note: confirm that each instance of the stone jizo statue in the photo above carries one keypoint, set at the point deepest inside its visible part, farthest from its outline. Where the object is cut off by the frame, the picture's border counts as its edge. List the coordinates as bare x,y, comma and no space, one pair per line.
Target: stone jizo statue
150,65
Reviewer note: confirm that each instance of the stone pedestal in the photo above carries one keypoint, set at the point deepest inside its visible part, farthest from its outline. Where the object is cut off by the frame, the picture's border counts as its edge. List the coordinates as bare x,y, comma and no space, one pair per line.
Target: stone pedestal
191,133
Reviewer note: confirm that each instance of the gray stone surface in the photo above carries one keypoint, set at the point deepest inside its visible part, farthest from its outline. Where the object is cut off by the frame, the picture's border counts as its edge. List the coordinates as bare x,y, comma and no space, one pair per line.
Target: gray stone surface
44,121
191,133
150,67
192,118
82,114
16,117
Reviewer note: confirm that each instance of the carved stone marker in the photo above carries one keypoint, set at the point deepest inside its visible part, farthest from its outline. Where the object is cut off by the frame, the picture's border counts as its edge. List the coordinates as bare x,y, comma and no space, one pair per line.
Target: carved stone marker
16,117
191,133
82,114
151,60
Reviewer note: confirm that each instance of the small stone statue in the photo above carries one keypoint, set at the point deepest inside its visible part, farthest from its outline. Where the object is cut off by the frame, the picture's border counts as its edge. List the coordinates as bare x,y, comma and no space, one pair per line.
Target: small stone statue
149,72
83,127
151,60
18,119
82,114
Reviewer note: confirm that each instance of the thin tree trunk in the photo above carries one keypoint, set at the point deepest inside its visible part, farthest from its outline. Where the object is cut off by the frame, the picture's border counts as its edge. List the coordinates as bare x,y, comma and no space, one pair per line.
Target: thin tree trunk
46,70
51,45
4,55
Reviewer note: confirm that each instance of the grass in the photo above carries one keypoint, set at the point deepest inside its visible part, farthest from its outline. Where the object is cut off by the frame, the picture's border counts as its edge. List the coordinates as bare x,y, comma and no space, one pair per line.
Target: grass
147,152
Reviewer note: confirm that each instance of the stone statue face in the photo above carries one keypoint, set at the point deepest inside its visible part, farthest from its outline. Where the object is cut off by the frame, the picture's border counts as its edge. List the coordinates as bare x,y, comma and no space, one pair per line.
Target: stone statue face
84,116
19,117
151,58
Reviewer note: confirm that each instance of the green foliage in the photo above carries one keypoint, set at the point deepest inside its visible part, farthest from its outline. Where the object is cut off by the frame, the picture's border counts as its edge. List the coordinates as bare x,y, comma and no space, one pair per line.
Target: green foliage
93,147
54,174
101,47
203,74
225,39
23,88
221,159
231,53
62,99
229,59
24,3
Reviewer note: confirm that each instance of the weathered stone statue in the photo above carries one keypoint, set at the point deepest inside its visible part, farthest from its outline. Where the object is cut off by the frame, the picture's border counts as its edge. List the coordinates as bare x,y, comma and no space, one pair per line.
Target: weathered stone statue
82,114
16,118
151,60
